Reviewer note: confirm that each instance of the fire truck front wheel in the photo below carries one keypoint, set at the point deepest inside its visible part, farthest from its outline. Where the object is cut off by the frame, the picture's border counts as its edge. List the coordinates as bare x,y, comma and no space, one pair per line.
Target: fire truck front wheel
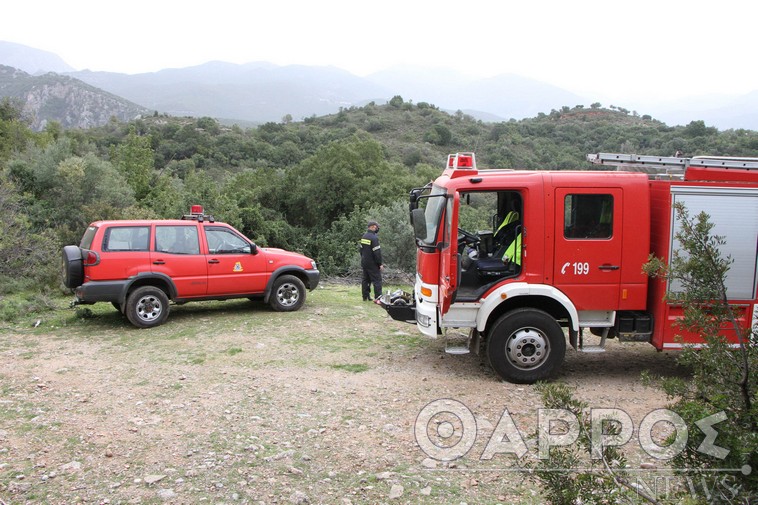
525,346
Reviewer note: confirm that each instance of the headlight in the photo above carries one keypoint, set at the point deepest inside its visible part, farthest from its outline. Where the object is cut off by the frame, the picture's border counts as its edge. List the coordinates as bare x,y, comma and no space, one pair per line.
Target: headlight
313,265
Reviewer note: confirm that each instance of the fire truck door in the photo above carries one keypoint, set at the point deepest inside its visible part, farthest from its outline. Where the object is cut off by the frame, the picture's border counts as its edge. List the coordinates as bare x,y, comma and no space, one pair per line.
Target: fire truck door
588,246
448,245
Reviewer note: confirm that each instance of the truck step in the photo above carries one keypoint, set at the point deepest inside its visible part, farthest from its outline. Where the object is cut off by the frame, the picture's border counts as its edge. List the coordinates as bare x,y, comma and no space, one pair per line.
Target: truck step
592,348
459,340
457,349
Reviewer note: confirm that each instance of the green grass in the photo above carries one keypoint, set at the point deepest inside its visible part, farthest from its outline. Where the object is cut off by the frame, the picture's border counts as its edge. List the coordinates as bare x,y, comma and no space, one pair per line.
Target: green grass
351,367
232,351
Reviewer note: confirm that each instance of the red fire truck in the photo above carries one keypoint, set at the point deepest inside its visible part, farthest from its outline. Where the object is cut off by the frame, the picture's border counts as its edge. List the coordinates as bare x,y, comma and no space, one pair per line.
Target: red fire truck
521,260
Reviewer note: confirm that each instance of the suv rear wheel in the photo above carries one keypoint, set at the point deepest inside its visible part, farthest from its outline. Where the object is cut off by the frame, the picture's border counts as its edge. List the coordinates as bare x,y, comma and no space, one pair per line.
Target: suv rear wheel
147,306
288,294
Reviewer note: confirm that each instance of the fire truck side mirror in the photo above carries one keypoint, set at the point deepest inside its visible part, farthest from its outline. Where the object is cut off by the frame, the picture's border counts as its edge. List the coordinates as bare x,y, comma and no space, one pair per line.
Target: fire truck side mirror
418,219
414,197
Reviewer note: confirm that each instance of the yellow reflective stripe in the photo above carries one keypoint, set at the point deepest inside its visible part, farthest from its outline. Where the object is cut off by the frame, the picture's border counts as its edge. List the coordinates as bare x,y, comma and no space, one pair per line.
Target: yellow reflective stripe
365,241
512,217
513,253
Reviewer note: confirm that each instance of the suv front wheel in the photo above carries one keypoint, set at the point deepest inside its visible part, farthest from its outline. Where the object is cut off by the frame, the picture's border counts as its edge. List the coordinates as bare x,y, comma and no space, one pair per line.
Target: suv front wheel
147,306
287,294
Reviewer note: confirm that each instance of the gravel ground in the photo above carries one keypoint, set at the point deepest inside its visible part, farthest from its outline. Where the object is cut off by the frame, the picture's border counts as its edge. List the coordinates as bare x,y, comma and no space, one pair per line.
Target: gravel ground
234,403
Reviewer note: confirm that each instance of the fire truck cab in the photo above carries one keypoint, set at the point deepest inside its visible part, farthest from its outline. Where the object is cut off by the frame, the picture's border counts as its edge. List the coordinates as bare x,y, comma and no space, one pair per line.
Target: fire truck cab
516,257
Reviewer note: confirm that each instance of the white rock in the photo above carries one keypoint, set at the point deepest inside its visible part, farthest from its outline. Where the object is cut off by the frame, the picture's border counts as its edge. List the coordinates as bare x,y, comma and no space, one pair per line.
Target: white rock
71,467
166,494
429,463
299,498
152,479
396,491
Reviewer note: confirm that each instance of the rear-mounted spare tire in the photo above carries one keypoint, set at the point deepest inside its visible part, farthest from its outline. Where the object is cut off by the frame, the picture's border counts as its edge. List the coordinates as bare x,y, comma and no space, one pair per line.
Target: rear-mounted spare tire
73,269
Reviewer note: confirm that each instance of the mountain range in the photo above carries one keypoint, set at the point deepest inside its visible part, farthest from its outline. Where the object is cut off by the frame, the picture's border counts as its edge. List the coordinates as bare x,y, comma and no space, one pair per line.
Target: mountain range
259,92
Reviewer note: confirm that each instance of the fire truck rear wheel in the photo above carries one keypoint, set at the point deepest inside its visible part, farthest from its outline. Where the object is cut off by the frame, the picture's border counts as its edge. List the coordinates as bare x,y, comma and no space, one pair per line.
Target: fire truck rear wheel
525,346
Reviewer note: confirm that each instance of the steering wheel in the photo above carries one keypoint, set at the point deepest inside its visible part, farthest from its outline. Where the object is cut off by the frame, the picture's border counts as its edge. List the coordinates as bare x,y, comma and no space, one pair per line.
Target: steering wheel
467,237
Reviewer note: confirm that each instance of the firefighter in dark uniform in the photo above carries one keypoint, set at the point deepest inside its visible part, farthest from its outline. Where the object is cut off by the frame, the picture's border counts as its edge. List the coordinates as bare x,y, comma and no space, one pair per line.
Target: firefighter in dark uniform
371,262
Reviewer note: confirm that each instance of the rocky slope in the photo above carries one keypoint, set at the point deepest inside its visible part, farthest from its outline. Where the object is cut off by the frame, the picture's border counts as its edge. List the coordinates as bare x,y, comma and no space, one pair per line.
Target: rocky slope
68,101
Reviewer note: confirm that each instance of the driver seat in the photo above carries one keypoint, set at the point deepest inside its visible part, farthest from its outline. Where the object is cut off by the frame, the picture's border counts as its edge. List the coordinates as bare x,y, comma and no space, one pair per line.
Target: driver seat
494,267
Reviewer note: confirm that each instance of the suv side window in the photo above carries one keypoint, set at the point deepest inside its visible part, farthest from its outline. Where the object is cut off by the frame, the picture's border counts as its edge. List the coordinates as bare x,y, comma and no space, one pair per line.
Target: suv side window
177,239
224,241
126,238
88,237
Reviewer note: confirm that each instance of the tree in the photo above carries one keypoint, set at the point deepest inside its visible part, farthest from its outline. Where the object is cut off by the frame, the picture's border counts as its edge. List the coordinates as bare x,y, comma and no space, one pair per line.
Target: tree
135,159
698,129
439,135
28,258
396,101
723,380
14,132
566,475
341,176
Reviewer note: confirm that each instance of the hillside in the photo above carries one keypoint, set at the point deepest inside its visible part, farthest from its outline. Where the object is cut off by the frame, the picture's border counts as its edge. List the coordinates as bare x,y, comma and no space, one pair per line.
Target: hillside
254,92
68,101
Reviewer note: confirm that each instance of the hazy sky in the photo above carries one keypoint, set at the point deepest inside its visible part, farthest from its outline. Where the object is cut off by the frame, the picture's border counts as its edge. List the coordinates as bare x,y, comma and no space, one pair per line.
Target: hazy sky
608,49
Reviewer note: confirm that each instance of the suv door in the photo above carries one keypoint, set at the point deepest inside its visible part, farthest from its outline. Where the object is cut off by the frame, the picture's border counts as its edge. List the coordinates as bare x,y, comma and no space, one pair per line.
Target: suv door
232,267
176,253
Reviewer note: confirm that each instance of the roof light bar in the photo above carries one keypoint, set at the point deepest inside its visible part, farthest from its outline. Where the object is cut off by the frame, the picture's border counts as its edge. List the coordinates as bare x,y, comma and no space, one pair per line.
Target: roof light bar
461,160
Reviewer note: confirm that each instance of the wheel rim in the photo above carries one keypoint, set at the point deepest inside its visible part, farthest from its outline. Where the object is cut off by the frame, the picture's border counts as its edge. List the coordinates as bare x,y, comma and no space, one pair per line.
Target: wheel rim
527,348
149,308
287,295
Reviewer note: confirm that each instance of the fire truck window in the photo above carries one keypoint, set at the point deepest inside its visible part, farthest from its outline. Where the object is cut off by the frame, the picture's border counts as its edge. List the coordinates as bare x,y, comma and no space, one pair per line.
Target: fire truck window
588,216
126,238
476,211
177,239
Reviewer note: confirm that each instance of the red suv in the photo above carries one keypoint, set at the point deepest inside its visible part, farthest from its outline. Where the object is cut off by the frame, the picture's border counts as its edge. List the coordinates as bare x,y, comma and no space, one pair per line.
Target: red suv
139,266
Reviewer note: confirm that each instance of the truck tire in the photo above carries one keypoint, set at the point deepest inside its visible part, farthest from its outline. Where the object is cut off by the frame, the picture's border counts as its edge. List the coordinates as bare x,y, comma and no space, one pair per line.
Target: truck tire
73,268
287,294
525,346
147,306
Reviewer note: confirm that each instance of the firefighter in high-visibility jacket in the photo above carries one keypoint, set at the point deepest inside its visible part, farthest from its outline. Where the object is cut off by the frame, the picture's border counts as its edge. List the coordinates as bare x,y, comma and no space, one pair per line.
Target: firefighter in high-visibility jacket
371,262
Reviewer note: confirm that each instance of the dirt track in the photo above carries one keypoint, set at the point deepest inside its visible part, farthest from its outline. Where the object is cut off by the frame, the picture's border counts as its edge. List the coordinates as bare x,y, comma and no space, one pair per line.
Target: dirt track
234,403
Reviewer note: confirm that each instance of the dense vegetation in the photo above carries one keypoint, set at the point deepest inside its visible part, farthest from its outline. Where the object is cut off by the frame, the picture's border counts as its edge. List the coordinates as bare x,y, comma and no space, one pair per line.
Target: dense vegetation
308,186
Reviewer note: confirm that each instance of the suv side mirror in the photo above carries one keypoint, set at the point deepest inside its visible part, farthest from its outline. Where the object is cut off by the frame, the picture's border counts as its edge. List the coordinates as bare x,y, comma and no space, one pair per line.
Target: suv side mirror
253,249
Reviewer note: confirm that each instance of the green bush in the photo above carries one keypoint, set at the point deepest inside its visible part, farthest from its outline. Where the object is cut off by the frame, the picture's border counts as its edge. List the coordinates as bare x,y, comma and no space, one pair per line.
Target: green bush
724,381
